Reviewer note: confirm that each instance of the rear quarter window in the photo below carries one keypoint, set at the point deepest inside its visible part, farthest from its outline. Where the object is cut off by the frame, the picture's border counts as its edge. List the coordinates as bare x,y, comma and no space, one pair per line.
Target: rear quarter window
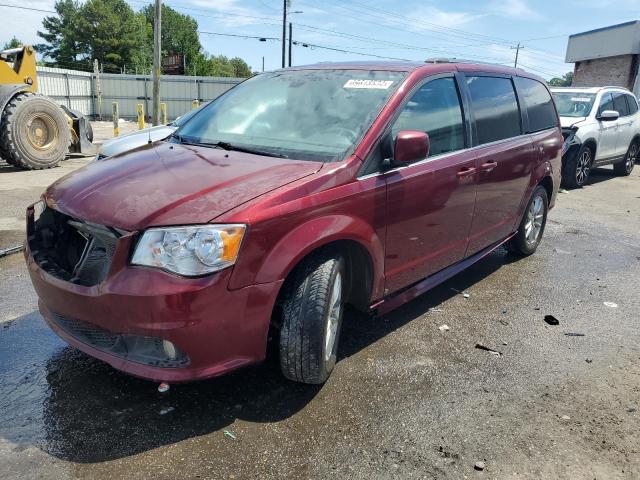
539,105
495,108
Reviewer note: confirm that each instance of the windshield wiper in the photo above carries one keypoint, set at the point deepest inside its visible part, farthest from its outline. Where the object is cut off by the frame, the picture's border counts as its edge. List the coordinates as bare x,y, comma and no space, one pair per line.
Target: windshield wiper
238,148
226,146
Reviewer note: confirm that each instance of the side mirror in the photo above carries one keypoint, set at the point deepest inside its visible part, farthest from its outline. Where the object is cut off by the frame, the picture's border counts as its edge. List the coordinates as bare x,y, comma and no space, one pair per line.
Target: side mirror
410,145
608,115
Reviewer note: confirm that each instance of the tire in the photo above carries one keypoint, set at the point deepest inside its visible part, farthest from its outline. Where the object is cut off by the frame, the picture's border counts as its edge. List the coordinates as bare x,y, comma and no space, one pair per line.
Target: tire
578,167
625,167
526,241
34,132
312,311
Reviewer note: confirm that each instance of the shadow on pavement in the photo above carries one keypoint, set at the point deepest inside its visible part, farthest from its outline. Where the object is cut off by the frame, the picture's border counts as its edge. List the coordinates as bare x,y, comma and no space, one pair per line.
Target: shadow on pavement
79,409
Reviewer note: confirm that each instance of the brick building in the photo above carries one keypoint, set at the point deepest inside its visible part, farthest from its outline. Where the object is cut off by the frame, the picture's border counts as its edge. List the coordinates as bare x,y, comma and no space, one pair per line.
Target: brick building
606,56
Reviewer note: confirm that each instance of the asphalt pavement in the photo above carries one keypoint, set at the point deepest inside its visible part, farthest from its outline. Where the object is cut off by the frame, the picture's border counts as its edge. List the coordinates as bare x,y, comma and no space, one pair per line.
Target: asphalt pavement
406,400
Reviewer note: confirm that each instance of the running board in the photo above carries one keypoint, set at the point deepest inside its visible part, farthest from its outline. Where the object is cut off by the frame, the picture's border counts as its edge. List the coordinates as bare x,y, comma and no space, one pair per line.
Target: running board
394,300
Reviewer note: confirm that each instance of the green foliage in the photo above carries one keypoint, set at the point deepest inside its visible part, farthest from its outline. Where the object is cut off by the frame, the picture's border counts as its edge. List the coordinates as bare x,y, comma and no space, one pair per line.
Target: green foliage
13,43
564,81
110,31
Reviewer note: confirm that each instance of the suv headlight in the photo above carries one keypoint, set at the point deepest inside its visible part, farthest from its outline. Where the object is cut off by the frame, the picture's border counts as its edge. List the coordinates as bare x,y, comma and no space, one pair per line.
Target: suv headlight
191,250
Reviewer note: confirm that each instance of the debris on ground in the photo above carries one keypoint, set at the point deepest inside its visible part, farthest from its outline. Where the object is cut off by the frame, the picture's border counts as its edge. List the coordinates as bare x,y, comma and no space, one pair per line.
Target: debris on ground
551,320
611,304
164,411
589,360
504,311
464,294
574,334
563,190
435,310
163,387
8,251
504,322
565,417
229,434
444,328
479,466
487,349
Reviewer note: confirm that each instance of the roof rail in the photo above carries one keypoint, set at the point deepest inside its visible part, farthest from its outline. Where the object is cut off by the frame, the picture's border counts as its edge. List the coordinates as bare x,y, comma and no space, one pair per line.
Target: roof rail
459,60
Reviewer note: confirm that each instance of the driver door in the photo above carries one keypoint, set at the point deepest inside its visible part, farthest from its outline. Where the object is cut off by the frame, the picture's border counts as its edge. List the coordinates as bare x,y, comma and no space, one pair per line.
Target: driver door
608,131
430,203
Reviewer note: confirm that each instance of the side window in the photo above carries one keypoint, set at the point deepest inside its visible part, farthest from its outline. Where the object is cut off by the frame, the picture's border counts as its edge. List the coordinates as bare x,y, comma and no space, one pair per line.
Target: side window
435,109
620,104
540,109
633,104
495,108
606,103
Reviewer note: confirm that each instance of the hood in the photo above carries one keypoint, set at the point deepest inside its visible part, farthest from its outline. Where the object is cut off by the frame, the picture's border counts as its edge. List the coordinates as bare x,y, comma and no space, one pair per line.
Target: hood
170,184
566,122
134,140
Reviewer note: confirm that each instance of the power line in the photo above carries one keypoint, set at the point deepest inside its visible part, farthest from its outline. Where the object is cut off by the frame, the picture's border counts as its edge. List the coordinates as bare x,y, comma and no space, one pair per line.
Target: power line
27,8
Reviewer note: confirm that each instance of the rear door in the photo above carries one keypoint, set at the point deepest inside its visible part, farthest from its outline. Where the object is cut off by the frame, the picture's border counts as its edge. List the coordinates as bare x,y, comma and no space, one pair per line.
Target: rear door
625,123
505,158
430,203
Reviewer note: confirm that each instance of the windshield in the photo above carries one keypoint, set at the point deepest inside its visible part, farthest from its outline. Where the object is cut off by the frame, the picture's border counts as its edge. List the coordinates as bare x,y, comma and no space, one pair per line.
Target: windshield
574,104
178,122
304,115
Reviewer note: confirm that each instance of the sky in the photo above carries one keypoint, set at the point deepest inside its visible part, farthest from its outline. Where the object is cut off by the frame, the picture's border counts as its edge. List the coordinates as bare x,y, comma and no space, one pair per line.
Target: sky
484,30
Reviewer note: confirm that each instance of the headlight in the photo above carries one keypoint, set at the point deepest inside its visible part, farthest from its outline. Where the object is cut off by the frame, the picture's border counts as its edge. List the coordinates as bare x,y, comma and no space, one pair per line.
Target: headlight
190,251
38,209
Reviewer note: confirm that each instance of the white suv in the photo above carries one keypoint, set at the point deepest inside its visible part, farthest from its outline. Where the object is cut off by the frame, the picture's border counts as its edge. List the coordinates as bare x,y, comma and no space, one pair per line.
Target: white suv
601,126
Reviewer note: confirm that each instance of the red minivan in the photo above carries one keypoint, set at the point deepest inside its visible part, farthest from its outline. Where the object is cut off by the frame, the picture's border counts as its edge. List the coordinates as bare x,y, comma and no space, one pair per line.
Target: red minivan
295,193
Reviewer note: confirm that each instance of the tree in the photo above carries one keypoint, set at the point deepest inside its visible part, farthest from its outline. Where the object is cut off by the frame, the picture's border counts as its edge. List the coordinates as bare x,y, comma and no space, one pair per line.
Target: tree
179,35
13,43
61,35
564,81
240,67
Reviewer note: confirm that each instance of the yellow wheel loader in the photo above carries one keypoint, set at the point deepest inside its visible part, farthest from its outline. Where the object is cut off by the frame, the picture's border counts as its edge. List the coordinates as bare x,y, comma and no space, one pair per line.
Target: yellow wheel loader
35,132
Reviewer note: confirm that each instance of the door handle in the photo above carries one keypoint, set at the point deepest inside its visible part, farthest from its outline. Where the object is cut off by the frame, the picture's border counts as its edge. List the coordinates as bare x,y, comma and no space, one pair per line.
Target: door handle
466,172
488,166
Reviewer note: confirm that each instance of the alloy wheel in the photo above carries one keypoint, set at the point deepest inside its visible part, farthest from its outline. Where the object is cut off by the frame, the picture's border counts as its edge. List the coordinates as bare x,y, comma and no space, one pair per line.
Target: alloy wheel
535,216
632,156
583,167
335,307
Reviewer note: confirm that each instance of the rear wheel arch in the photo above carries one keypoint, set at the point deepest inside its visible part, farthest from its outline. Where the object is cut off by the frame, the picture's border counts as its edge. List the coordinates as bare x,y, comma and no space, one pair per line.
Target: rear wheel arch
547,183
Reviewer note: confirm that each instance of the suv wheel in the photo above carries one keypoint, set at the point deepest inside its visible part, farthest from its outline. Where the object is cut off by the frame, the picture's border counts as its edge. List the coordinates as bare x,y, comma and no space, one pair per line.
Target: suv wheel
578,168
529,234
625,167
312,310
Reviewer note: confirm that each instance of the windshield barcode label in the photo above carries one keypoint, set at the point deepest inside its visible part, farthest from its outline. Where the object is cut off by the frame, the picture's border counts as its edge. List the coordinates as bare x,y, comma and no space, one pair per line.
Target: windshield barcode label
378,84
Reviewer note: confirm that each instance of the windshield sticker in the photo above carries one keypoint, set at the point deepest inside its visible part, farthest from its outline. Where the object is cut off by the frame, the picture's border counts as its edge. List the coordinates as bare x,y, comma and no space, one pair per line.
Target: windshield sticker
376,84
580,99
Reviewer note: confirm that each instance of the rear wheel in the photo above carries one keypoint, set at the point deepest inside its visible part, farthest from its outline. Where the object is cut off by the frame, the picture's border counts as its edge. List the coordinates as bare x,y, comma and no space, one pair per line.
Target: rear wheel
312,310
34,132
625,167
577,170
531,228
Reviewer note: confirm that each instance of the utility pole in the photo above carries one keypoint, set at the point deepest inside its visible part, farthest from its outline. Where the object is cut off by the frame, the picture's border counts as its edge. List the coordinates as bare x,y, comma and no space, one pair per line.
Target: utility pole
157,50
517,49
263,63
285,4
290,40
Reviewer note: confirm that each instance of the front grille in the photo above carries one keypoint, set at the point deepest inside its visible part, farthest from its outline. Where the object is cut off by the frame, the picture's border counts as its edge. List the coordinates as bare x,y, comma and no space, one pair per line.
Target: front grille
72,250
133,348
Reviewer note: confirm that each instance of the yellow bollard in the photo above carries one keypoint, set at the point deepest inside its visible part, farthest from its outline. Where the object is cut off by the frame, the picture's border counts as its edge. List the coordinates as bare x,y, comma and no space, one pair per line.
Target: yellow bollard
140,112
116,119
163,113
195,104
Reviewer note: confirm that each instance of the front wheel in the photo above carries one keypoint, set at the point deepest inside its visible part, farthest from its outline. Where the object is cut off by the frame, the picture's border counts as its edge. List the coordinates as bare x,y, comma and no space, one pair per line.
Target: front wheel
577,170
312,309
531,228
625,167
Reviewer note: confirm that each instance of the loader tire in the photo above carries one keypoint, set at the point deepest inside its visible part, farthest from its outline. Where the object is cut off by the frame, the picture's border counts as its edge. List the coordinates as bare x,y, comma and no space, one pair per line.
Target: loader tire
34,132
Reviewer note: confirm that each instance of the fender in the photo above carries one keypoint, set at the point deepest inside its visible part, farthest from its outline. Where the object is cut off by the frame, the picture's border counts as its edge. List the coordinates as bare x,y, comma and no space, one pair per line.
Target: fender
315,233
542,170
7,92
